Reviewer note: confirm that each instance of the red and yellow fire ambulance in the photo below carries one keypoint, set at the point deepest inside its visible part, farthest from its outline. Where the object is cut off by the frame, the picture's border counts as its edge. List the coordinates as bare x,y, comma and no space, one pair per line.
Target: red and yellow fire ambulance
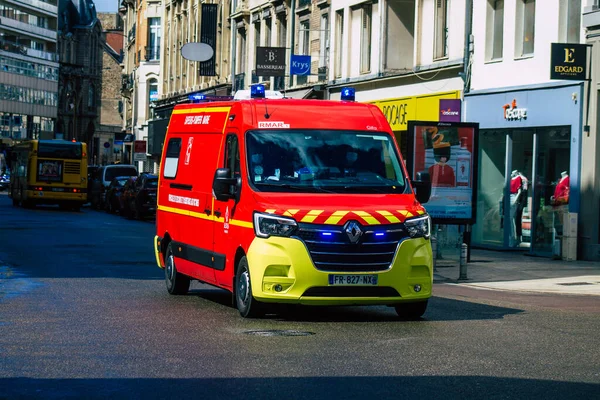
292,201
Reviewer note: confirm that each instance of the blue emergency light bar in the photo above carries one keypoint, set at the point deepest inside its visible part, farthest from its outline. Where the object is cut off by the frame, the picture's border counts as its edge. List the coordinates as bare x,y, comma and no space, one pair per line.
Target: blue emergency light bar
257,91
348,94
196,97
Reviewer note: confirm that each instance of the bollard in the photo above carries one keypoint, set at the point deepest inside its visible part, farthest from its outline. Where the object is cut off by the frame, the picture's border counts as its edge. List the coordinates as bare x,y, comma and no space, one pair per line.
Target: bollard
434,250
464,250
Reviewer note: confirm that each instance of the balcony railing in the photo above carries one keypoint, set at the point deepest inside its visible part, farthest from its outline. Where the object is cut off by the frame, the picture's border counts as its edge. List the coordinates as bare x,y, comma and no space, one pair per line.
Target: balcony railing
29,28
27,51
239,81
48,6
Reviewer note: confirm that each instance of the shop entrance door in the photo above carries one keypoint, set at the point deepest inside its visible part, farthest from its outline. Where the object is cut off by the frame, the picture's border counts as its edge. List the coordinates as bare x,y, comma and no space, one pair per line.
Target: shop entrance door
518,196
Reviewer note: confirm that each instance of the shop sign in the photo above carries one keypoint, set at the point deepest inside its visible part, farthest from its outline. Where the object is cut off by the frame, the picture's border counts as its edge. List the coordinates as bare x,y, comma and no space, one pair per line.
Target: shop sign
450,110
300,65
270,61
568,61
139,150
447,152
514,113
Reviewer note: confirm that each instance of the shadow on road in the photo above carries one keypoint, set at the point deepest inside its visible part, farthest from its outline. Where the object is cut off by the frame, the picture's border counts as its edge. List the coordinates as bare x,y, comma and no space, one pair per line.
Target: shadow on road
439,309
422,387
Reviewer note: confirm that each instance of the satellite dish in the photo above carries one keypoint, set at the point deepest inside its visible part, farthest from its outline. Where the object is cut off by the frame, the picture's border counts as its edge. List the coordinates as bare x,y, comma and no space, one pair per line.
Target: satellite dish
195,51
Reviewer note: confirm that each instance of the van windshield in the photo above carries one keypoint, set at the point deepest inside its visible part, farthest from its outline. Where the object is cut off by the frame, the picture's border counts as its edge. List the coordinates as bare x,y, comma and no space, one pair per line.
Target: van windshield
319,161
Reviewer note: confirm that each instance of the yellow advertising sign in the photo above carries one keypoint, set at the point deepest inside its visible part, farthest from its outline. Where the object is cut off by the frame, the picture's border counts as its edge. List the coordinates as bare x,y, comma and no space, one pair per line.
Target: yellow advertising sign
415,108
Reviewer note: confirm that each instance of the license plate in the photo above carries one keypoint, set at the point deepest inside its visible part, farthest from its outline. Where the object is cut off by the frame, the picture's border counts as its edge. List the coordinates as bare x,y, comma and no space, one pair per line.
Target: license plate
350,280
58,189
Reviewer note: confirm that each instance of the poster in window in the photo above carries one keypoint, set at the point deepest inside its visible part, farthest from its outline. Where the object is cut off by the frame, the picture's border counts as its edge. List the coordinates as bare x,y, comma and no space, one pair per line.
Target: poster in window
49,171
447,152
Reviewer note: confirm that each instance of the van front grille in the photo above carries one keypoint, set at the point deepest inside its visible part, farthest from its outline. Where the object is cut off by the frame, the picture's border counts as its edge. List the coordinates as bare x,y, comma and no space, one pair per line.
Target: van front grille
331,248
72,168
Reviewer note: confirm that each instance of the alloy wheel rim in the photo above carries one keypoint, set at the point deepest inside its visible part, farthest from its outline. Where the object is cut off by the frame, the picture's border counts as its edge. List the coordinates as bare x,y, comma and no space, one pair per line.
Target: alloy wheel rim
243,287
170,268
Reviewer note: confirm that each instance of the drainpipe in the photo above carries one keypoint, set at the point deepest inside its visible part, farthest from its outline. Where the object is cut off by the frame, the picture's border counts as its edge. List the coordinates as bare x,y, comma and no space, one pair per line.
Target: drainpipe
233,45
468,44
293,38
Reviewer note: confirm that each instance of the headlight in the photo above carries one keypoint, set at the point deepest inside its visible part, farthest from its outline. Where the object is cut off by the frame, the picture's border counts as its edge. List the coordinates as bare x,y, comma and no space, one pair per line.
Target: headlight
266,225
419,227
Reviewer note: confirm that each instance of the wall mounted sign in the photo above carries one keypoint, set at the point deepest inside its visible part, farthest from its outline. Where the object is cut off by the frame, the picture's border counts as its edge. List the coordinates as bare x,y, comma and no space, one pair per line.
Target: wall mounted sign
270,61
514,113
568,61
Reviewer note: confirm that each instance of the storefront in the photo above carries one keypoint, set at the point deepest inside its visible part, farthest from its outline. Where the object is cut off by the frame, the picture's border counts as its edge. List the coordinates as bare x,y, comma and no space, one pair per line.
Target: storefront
529,161
417,108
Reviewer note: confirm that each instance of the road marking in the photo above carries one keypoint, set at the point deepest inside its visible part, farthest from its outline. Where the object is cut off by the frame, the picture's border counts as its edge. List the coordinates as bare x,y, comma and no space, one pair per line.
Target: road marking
583,285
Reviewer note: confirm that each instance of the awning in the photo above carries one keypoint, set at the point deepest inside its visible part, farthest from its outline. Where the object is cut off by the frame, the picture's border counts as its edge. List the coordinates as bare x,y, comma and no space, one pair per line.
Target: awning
298,94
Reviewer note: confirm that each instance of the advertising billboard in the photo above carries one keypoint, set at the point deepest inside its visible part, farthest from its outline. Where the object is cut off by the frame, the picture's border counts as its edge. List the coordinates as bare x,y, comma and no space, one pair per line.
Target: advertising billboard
447,152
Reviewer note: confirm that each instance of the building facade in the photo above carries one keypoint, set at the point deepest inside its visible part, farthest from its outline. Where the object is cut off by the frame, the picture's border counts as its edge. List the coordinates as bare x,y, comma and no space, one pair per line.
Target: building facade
29,69
80,75
141,74
530,140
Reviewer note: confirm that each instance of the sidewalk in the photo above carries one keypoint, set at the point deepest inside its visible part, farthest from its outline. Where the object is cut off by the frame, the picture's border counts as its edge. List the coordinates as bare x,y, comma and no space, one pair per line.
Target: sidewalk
503,270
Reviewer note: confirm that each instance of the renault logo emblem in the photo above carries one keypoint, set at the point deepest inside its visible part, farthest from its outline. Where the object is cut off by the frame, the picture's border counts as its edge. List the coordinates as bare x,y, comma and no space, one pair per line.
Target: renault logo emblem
353,231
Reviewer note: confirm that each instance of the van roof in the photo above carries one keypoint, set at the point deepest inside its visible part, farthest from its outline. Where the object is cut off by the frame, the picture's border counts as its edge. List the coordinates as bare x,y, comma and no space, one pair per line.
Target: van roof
293,113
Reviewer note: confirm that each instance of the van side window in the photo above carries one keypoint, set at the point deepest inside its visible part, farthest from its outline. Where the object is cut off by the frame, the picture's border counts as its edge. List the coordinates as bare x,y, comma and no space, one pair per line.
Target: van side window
172,158
232,155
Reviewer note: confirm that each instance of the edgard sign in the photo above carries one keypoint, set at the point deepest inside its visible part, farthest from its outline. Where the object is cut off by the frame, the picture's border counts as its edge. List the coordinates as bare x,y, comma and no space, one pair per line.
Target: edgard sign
568,61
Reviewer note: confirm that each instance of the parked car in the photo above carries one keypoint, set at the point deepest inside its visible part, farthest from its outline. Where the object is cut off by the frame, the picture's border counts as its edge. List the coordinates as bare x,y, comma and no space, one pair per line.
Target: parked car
114,193
139,197
102,178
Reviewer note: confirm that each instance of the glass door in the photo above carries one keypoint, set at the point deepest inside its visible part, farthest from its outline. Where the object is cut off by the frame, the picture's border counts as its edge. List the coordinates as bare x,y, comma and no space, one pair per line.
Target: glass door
518,226
488,231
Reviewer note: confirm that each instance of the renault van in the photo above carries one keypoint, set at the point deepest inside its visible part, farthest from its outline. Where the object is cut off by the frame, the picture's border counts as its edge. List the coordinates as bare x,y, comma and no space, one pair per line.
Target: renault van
292,201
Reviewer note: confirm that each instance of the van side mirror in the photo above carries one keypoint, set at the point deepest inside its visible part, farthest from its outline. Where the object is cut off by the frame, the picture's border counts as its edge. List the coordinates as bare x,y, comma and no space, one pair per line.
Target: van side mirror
224,187
422,186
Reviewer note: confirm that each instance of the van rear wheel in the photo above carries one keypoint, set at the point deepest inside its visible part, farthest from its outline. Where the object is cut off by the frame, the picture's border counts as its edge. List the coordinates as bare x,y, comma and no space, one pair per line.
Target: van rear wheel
177,283
411,310
246,304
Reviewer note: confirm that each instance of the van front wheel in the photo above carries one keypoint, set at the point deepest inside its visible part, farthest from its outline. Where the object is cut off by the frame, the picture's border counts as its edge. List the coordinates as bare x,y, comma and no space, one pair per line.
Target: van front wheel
411,310
177,283
247,305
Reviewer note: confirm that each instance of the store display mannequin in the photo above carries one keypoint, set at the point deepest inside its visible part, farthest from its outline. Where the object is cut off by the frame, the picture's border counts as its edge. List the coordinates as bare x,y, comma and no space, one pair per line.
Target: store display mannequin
561,192
518,199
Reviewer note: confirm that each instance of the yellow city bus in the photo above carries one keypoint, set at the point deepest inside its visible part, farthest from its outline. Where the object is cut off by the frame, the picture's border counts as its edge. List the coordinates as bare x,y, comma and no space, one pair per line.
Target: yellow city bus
49,172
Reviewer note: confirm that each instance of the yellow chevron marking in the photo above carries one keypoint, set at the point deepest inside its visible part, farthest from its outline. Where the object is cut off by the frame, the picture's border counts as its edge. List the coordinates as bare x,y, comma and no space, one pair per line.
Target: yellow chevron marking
405,213
336,217
197,110
312,215
290,213
420,212
369,219
389,216
270,211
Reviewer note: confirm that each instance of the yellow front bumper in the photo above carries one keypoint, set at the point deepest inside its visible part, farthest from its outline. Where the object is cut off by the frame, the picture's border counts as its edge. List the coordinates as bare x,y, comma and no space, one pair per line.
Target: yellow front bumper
286,263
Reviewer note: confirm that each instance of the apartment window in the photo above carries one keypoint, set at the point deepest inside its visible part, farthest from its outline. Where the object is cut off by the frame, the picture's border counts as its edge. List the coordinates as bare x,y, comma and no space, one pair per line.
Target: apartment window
91,97
282,31
242,51
525,27
339,42
324,41
441,29
152,93
365,38
303,46
268,22
495,29
154,34
569,21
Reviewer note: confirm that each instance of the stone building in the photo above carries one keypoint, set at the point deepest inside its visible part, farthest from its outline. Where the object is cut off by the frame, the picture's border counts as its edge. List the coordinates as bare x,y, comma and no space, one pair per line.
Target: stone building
80,72
109,136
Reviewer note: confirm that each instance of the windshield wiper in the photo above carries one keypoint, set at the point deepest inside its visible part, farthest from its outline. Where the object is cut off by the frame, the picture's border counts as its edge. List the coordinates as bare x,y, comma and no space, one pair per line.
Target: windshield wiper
307,188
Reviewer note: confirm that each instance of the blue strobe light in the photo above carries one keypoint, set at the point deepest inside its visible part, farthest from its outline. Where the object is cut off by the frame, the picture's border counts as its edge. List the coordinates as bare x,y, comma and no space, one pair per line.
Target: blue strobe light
196,97
348,94
257,91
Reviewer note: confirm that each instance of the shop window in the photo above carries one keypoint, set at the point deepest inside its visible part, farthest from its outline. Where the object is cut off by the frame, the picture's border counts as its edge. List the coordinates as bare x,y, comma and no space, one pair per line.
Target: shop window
268,32
494,29
172,158
441,29
525,28
569,24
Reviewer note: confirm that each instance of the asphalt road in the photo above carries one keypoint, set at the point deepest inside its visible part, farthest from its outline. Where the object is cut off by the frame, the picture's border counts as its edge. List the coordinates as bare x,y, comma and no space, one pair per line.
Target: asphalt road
84,313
